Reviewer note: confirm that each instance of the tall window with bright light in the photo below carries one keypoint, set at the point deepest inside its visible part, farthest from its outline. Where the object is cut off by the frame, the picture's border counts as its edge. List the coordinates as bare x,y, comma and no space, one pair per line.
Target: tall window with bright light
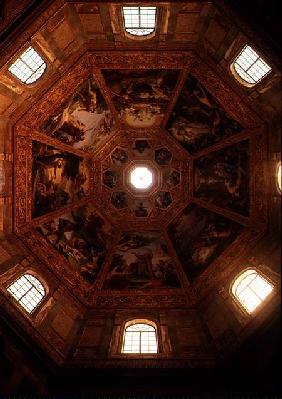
251,289
27,291
29,67
139,21
140,338
250,67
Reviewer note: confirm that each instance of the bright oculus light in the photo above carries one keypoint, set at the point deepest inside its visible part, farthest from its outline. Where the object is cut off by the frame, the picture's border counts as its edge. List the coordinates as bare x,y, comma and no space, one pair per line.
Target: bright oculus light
141,177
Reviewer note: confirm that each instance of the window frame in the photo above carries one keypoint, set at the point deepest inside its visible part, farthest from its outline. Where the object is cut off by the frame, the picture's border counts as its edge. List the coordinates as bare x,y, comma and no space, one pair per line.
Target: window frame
266,300
132,323
38,50
118,336
236,75
17,303
131,36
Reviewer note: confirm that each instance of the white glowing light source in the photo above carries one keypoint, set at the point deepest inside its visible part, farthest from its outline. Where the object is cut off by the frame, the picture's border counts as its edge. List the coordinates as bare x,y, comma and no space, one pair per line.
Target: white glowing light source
140,338
139,21
251,289
29,67
250,66
141,177
27,291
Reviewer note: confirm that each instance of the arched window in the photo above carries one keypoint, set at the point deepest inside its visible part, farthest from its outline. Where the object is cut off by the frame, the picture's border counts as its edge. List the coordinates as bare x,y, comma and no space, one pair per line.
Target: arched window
251,289
27,291
139,21
29,67
140,337
279,178
249,68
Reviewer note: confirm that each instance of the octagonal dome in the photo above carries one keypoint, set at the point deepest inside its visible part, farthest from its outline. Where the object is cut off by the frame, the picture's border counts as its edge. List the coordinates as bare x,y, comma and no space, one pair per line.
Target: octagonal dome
106,253
197,205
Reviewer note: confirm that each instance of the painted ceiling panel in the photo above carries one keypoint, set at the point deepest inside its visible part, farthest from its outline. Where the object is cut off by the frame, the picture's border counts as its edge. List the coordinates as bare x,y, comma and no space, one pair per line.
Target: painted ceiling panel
84,120
199,236
198,120
141,261
58,178
141,96
223,177
83,237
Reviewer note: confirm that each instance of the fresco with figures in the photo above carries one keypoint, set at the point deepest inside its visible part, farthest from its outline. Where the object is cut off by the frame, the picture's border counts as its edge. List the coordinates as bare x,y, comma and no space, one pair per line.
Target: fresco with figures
141,96
141,207
141,261
199,236
223,177
84,120
83,237
58,178
141,147
197,120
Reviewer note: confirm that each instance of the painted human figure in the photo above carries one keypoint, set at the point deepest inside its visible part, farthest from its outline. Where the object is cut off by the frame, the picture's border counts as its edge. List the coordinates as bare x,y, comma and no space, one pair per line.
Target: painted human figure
141,146
141,210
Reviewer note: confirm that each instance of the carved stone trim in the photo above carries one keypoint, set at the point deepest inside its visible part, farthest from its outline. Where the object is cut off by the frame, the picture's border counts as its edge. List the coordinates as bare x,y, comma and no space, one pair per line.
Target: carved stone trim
141,301
23,190
136,59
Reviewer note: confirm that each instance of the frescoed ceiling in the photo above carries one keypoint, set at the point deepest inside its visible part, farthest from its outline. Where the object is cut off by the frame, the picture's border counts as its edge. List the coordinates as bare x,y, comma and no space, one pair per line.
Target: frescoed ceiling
75,153
141,96
107,105
83,120
197,120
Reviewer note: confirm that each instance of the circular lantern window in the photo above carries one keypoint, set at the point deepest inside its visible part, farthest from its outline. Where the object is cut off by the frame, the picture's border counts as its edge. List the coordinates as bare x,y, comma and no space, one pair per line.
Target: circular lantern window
141,177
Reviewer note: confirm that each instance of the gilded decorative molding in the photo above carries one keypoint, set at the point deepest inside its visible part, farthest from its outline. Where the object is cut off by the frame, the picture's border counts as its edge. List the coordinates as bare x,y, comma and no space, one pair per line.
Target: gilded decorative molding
140,301
23,161
137,59
27,131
